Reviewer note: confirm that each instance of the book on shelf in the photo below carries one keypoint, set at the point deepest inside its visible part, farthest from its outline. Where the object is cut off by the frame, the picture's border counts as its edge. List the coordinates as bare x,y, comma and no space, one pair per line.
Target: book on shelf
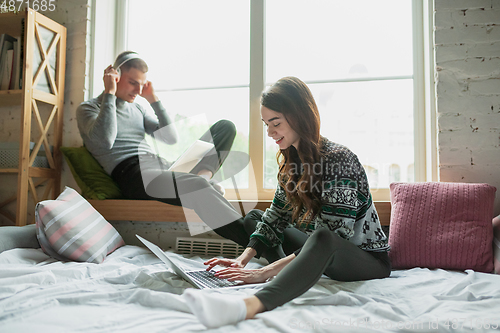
15,81
7,59
6,70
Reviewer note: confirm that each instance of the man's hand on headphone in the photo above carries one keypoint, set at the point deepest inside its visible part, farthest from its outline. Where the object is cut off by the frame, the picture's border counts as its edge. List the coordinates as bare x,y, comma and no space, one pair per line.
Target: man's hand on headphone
149,93
110,78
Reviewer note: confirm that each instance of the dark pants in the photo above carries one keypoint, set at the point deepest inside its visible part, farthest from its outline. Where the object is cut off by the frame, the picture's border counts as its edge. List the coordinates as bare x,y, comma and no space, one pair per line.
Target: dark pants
324,252
186,189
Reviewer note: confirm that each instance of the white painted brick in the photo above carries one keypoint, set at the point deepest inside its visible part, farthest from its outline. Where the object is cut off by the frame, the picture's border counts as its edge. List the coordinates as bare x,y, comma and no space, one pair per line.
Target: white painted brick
444,19
458,18
450,52
445,36
483,104
486,157
451,105
476,16
468,88
486,87
489,122
78,26
449,85
472,174
468,139
472,67
452,122
468,105
76,41
446,138
469,35
454,156
491,49
461,4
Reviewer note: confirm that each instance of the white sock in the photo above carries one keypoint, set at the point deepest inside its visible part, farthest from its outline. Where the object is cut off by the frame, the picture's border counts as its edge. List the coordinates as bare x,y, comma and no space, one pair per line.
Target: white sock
215,310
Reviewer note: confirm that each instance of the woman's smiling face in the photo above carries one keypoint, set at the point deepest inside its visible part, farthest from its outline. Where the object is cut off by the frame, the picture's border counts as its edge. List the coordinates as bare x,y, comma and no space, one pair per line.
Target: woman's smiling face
279,129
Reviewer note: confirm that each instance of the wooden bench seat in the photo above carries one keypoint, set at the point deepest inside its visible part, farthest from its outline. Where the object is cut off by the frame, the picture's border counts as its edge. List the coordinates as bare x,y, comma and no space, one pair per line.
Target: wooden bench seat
150,210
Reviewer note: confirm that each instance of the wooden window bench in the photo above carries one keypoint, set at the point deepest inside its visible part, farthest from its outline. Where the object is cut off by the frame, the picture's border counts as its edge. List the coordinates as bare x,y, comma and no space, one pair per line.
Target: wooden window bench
156,211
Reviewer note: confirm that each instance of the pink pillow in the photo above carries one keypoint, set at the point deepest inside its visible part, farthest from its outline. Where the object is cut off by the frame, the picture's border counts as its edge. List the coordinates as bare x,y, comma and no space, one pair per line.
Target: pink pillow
496,243
442,225
69,228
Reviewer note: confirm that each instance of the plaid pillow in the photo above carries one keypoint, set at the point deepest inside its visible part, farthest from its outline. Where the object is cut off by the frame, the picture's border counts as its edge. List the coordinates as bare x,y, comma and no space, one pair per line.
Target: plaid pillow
69,228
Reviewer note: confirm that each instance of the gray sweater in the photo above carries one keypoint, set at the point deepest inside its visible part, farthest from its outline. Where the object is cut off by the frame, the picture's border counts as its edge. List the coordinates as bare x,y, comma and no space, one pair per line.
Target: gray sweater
114,130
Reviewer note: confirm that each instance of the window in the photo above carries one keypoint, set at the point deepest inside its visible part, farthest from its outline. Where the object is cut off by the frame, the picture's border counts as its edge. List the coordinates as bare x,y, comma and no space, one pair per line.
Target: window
394,173
362,60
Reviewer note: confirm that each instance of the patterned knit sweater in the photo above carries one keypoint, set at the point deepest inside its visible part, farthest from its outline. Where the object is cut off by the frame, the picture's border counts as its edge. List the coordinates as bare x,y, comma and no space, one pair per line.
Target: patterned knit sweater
347,206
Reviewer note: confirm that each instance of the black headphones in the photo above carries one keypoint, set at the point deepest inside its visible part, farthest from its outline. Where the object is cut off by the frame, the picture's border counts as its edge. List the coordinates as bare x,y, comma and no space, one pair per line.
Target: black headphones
123,59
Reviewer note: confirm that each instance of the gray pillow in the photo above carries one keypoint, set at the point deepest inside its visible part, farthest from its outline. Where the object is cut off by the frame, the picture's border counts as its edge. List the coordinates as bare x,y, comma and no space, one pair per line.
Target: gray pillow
18,237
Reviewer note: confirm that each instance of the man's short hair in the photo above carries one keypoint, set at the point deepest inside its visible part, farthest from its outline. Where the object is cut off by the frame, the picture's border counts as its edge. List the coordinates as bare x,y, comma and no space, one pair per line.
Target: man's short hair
134,62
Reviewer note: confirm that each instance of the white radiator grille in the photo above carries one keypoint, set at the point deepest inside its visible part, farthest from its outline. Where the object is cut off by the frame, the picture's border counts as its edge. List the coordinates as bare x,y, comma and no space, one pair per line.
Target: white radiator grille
208,247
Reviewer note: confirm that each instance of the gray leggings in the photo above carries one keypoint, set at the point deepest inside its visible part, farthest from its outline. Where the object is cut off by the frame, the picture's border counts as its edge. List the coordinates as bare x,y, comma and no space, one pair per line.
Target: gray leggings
324,252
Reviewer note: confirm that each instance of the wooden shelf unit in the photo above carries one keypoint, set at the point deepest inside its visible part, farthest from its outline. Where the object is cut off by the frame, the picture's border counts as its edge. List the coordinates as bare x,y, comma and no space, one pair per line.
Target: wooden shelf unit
43,68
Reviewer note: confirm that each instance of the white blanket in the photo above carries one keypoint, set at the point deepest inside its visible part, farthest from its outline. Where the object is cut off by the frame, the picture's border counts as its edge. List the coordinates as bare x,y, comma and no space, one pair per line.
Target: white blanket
133,291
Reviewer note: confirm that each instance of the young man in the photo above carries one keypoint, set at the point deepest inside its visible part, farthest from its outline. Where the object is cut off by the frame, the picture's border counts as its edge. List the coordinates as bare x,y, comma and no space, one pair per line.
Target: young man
113,129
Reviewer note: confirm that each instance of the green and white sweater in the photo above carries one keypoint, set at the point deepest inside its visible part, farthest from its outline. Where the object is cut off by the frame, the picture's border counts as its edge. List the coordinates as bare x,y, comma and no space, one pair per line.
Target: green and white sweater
347,205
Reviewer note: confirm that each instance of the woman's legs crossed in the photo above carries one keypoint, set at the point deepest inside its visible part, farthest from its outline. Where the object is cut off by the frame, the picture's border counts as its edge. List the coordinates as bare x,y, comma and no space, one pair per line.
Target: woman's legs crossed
324,252
293,238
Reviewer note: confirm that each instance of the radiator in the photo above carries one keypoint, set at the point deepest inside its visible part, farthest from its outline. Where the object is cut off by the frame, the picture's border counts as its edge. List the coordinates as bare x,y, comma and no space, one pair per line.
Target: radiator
207,247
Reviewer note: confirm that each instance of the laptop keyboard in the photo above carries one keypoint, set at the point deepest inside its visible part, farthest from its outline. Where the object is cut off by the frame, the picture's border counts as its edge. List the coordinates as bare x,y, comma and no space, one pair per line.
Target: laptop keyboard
207,278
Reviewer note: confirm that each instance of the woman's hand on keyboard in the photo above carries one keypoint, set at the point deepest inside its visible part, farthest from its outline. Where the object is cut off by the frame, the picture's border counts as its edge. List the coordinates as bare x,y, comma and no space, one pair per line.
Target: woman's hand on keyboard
255,275
223,262
246,275
239,262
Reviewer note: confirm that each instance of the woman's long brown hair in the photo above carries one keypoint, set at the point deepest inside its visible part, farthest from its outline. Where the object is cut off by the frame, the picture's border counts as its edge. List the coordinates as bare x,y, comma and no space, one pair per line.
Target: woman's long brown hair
292,98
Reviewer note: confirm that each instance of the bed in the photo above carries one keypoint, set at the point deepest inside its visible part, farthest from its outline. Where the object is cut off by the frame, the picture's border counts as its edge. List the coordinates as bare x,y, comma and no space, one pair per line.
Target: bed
131,290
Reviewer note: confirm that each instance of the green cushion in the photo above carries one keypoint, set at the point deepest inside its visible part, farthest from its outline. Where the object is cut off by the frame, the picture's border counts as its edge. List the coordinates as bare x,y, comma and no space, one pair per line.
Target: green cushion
94,182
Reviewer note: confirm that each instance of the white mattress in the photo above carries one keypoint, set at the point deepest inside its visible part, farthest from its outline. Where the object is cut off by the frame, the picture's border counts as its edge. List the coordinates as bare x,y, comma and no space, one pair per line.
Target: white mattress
133,291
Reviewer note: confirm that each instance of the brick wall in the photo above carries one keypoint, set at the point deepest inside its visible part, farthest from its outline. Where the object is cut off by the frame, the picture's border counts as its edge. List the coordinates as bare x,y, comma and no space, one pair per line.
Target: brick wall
467,37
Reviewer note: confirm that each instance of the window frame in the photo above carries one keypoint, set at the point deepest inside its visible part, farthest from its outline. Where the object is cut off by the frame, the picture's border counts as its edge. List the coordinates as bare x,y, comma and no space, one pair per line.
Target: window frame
424,119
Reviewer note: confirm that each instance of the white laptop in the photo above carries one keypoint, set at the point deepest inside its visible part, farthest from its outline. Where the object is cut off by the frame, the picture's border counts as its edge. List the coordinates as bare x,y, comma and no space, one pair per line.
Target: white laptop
201,279
192,156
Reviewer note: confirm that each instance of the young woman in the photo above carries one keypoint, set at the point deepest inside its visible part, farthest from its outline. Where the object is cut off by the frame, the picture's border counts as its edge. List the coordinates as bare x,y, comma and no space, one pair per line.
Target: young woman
322,219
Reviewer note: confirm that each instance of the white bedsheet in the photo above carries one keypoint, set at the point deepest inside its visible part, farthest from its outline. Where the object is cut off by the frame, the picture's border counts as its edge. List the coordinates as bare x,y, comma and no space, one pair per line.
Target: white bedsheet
133,291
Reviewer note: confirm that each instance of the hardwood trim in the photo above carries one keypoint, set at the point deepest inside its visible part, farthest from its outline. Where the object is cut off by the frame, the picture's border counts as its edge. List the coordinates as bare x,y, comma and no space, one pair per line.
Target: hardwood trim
25,132
11,97
45,97
156,211
42,173
384,212
143,210
59,120
9,170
